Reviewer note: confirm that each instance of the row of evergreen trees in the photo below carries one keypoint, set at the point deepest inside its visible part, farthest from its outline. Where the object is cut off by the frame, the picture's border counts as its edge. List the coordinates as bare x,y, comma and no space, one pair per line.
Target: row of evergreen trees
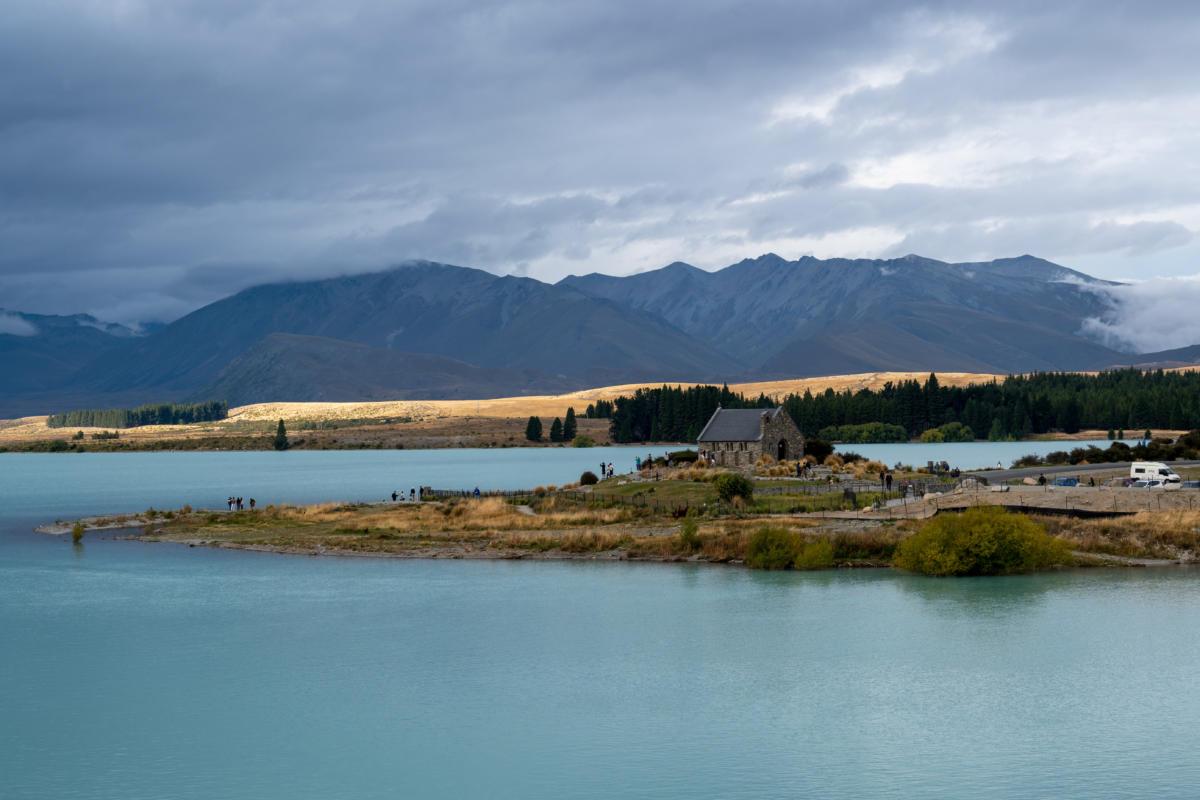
153,414
672,413
1012,408
1016,406
560,430
601,409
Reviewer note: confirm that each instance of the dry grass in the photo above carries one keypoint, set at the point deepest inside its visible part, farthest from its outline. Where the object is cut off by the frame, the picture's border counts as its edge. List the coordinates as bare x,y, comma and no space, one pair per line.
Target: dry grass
1159,534
548,406
413,529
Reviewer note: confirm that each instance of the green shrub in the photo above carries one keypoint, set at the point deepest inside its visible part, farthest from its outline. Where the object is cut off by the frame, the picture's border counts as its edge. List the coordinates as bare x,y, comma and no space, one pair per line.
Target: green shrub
733,484
773,548
863,434
950,432
819,449
981,541
957,432
583,441
77,532
683,456
689,534
815,555
588,479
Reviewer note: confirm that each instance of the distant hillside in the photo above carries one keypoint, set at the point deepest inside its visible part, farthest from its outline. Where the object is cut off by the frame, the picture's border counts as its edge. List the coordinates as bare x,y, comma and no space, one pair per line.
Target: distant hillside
1164,359
41,363
311,368
818,317
467,314
425,330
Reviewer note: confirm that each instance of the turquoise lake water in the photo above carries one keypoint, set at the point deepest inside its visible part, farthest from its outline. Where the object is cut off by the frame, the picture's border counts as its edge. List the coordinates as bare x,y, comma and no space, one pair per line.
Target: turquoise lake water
132,670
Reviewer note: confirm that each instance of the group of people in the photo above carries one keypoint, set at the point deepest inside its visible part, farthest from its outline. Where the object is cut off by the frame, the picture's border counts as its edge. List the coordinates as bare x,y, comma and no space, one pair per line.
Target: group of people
644,463
399,496
236,504
606,470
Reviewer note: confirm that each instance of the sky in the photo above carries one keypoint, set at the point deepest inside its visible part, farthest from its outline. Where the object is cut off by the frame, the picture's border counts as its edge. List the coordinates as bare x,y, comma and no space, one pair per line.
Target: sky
156,156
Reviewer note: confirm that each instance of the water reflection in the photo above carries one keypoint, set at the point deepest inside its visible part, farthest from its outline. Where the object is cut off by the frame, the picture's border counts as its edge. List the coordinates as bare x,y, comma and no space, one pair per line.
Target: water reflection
996,597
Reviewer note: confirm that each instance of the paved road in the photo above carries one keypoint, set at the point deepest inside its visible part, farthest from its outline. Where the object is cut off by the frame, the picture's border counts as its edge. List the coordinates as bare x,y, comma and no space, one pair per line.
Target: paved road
1117,467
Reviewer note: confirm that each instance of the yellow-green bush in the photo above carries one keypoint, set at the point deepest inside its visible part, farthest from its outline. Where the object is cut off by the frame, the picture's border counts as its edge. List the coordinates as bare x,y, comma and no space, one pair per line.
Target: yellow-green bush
689,534
732,484
815,555
778,548
772,548
981,541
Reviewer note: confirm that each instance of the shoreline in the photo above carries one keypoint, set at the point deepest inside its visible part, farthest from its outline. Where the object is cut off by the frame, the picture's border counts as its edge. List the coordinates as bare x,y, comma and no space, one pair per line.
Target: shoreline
864,543
1090,561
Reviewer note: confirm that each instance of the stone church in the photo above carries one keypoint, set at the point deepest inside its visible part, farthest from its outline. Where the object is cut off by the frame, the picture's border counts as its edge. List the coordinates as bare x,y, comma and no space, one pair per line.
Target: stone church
736,437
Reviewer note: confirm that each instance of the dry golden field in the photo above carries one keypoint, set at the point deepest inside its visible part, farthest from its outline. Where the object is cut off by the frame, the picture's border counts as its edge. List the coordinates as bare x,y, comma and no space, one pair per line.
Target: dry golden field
437,423
440,423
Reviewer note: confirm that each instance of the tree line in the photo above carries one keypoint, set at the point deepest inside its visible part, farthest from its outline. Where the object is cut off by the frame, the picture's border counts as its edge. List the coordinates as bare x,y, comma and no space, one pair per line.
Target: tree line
672,413
1012,408
560,431
152,414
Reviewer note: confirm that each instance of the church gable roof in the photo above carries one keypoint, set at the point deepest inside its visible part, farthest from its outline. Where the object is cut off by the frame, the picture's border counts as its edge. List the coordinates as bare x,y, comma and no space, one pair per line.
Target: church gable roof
736,425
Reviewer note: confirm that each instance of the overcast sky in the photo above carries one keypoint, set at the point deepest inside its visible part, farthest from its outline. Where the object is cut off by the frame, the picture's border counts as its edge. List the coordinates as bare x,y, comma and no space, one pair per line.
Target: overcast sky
155,156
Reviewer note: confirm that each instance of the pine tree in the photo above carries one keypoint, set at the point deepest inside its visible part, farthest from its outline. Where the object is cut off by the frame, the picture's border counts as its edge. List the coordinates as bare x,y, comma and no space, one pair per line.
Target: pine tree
556,430
533,430
281,440
569,426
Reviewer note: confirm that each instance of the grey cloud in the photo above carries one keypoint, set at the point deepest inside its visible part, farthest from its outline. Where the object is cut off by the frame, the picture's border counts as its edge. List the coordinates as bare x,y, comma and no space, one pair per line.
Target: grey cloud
1158,314
1057,235
155,157
16,326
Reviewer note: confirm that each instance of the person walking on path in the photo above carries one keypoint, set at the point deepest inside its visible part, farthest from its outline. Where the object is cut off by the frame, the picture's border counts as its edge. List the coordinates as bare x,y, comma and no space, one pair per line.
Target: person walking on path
889,481
229,502
394,495
412,495
251,503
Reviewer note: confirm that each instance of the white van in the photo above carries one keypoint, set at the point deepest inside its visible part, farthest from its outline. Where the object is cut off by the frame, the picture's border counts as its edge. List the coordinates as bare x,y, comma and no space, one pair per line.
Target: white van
1153,471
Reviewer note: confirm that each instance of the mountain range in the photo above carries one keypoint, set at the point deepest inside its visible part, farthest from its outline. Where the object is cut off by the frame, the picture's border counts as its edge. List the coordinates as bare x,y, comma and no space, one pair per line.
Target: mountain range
425,330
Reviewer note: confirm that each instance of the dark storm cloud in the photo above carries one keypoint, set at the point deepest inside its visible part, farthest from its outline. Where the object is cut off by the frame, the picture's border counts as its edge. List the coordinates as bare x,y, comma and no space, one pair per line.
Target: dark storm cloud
157,155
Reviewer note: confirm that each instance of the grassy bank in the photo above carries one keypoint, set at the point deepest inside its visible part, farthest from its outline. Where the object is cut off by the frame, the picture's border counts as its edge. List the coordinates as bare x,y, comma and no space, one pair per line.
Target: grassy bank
554,528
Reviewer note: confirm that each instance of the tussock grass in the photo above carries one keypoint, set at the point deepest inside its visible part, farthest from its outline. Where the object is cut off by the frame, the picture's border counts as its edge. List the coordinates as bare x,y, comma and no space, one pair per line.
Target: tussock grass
1147,534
